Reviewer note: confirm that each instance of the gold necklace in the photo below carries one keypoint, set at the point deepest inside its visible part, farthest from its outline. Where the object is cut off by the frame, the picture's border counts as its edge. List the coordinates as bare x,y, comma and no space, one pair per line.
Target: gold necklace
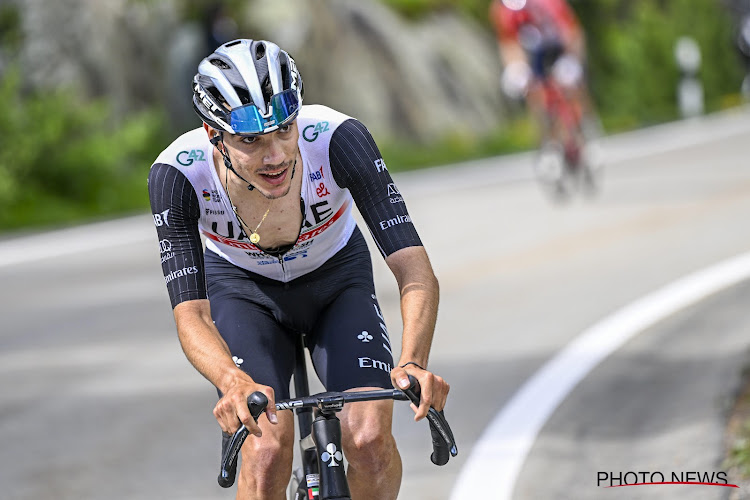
254,236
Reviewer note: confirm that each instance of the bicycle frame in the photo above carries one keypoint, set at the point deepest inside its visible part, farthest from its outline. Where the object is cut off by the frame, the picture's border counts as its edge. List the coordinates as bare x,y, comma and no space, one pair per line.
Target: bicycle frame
320,434
309,458
563,119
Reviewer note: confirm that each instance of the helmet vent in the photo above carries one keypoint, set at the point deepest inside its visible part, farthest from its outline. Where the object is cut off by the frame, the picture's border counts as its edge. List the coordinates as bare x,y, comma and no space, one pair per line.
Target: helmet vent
260,51
243,94
219,64
232,44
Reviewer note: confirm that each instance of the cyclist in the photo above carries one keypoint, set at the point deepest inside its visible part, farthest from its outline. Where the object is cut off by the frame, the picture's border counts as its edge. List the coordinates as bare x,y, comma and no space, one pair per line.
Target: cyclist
537,38
270,184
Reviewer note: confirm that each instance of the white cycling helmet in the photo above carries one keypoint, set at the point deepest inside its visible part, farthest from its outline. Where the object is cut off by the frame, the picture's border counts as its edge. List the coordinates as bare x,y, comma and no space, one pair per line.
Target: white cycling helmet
515,4
247,87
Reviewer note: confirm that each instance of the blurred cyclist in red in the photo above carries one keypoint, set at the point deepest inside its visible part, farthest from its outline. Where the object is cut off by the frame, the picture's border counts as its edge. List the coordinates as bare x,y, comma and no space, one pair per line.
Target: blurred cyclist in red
542,47
537,37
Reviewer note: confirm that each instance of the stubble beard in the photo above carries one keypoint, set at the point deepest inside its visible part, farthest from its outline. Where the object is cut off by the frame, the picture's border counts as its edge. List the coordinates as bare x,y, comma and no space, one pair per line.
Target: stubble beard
290,165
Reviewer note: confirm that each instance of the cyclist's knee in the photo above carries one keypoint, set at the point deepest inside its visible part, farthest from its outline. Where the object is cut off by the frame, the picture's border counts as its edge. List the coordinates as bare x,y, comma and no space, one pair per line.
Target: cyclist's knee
370,451
266,459
370,444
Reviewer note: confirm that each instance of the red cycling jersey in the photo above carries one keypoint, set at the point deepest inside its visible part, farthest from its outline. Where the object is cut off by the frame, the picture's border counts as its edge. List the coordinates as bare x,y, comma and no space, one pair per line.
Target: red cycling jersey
554,18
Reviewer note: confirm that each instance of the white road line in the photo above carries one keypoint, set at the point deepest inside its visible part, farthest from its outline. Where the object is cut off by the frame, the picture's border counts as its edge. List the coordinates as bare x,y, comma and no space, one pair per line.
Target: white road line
497,457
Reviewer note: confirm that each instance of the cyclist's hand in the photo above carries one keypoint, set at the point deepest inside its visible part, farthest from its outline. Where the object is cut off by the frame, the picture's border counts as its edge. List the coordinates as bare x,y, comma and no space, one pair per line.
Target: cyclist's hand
232,408
516,79
433,389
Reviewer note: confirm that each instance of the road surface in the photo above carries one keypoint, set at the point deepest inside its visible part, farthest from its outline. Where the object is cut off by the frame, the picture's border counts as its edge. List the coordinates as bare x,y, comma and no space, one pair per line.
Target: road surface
98,400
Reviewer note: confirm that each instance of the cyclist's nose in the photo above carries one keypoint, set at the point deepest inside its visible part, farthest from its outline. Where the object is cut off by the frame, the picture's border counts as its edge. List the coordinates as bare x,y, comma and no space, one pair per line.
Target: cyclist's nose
274,153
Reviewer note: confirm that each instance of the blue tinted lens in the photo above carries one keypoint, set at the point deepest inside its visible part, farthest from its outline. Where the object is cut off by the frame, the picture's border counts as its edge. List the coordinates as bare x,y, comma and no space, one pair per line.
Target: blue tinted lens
284,106
246,120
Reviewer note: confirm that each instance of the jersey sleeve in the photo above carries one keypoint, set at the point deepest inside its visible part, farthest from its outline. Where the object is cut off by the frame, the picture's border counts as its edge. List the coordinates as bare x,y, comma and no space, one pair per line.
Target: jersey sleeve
566,18
504,21
356,164
176,212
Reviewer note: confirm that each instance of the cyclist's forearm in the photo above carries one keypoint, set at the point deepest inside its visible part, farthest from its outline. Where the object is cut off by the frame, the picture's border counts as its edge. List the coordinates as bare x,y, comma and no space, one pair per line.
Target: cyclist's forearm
510,52
419,304
204,347
419,292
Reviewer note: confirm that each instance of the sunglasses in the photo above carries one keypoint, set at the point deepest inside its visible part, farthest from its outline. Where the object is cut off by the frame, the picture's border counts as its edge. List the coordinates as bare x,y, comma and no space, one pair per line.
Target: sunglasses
248,120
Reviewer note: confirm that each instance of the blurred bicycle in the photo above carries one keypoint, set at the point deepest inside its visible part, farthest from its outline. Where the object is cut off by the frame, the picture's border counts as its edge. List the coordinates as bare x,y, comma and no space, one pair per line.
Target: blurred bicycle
565,162
542,47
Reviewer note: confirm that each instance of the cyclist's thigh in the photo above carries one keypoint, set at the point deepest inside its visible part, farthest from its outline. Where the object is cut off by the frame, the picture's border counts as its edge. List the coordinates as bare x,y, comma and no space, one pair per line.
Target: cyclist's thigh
350,346
260,346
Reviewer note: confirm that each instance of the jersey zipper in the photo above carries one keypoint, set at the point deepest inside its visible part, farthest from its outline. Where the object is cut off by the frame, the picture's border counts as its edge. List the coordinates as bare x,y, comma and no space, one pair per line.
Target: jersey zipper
302,224
283,267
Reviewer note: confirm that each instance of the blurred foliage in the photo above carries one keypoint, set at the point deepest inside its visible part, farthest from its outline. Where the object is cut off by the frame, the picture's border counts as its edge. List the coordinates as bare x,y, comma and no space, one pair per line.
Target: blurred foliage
739,452
70,160
65,160
415,9
10,27
632,66
737,456
631,63
520,135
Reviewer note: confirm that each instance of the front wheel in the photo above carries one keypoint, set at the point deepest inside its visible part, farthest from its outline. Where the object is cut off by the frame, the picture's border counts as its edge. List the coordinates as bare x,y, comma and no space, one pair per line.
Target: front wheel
593,170
551,171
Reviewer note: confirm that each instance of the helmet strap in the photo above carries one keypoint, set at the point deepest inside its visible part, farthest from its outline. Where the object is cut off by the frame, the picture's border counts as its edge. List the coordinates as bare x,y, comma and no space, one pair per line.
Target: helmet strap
215,140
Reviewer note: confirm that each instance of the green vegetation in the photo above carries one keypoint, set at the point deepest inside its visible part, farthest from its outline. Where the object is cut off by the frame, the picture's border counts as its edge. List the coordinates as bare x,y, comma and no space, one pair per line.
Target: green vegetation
739,454
415,9
633,73
519,135
65,161
737,460
632,66
10,27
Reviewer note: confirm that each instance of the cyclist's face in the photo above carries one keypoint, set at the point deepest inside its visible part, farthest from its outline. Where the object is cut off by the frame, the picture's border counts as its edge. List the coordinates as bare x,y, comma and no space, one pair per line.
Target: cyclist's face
266,160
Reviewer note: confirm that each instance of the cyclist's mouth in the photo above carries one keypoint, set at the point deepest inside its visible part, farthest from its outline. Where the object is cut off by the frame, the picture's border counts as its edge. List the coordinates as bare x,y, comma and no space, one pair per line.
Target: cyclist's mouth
275,177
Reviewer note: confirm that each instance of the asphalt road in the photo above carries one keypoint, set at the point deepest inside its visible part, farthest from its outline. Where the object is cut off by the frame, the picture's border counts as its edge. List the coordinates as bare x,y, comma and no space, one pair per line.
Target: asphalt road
98,400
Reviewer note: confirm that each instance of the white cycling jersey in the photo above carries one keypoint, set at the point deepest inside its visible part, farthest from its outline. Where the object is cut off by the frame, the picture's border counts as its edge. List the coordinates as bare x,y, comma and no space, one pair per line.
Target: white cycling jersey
341,165
328,221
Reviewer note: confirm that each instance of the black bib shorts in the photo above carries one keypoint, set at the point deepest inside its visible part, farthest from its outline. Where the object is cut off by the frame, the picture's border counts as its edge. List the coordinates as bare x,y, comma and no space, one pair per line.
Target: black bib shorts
334,306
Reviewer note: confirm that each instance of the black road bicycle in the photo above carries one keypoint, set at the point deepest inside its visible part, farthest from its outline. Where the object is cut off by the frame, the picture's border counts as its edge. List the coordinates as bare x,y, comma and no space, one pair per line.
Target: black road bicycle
322,475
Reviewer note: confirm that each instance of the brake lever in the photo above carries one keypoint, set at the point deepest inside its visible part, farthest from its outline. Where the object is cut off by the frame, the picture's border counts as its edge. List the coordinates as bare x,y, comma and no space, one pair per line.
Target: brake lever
231,444
438,423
